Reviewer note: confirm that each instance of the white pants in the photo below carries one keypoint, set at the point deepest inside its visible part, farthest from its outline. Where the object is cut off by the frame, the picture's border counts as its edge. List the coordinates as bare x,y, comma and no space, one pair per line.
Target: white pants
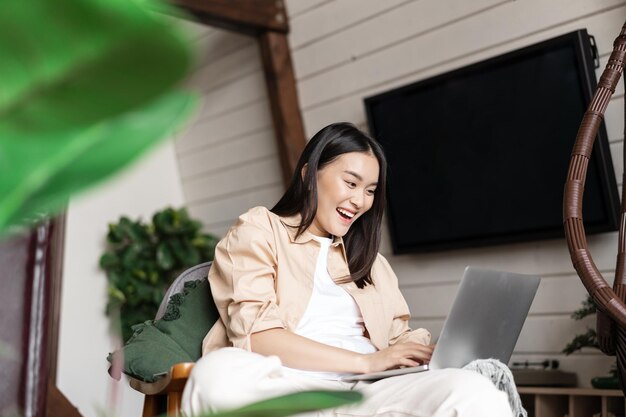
229,378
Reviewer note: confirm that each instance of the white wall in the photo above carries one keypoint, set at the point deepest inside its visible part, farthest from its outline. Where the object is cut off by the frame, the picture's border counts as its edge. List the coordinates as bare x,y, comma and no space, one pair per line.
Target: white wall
84,337
345,50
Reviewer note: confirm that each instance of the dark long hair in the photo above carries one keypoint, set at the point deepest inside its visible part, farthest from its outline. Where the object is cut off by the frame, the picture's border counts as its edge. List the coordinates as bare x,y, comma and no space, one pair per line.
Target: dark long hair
363,238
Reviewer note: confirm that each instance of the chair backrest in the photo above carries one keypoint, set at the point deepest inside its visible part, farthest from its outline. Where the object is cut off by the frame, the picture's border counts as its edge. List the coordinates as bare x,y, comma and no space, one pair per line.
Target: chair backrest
194,273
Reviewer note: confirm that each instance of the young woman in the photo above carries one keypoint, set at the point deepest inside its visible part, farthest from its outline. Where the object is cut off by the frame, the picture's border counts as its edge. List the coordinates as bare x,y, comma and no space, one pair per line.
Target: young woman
304,298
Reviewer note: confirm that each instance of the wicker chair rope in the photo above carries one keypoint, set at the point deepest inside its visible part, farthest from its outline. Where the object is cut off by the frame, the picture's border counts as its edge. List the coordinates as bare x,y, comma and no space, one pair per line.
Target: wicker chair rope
611,317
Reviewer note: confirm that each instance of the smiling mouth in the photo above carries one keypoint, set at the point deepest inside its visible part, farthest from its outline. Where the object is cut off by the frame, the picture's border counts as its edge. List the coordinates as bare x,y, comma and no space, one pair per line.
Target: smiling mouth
346,215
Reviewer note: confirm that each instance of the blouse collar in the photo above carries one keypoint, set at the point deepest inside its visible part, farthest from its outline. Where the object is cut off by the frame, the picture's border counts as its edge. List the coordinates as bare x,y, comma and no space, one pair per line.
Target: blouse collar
291,223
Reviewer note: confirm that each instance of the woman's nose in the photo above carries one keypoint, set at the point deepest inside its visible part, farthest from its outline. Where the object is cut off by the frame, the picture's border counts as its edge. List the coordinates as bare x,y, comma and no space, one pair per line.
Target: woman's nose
357,199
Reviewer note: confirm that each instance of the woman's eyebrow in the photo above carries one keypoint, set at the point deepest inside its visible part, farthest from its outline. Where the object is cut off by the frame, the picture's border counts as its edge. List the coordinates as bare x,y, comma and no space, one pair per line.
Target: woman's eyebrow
357,176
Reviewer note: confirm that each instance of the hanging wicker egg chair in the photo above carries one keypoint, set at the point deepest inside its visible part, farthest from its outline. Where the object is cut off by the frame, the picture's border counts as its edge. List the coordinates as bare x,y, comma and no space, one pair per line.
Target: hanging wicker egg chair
611,302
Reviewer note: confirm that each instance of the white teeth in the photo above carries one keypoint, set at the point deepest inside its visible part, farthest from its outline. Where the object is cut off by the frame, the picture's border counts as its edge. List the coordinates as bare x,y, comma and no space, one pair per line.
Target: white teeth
345,213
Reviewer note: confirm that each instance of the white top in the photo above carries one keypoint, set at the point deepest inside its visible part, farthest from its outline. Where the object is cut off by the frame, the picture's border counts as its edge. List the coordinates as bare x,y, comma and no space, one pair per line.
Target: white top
332,316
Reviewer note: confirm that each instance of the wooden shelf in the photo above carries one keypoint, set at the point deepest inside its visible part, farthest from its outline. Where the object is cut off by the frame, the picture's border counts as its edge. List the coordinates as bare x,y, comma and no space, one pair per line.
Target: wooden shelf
572,402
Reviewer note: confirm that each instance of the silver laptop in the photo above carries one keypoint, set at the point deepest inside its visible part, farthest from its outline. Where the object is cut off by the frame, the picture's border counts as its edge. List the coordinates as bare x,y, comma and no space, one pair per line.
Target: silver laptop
485,321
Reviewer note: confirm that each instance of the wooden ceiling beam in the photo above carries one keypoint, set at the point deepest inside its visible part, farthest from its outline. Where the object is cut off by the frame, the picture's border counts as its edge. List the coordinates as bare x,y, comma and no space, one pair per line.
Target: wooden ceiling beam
267,21
249,17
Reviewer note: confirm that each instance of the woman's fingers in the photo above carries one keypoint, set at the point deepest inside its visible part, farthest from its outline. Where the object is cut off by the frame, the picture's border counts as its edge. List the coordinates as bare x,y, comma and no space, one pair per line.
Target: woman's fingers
412,354
405,362
401,354
415,350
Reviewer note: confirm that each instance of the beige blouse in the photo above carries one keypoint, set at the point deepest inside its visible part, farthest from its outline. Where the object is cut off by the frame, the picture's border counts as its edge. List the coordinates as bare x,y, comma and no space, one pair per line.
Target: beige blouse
262,278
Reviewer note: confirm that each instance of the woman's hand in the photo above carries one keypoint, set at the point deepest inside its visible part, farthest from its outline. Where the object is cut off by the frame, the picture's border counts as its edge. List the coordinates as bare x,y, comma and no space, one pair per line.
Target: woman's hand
396,356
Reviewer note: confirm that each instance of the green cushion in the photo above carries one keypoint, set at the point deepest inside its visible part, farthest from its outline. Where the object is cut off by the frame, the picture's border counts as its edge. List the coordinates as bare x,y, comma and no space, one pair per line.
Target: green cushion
177,337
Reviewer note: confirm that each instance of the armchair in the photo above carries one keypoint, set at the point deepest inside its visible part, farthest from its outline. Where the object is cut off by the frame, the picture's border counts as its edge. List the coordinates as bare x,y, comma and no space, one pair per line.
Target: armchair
184,316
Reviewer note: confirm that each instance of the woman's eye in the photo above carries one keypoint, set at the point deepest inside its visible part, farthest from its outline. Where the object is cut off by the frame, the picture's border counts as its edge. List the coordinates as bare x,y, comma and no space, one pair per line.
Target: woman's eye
371,192
351,184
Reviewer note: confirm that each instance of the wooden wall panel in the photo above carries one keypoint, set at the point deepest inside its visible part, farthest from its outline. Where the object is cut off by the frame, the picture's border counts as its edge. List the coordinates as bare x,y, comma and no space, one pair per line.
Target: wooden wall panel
337,16
415,20
230,67
227,155
236,179
507,23
434,300
299,8
232,96
245,120
613,116
617,150
219,213
351,107
547,257
217,44
541,334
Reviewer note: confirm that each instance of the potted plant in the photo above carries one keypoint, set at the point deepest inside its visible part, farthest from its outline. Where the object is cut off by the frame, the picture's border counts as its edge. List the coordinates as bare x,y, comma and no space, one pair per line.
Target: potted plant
590,339
142,259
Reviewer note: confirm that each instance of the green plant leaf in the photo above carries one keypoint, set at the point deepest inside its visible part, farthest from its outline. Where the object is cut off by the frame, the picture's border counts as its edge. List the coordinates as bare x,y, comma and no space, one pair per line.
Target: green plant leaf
41,172
142,250
108,260
116,294
83,91
588,339
114,236
290,404
165,258
70,63
164,221
588,307
191,255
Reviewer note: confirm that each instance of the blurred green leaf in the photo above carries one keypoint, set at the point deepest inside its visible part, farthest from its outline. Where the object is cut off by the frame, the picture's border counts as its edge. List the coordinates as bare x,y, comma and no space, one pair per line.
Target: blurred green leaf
114,235
153,277
290,404
588,339
130,257
84,90
40,173
588,307
140,274
116,294
108,260
71,63
192,255
165,259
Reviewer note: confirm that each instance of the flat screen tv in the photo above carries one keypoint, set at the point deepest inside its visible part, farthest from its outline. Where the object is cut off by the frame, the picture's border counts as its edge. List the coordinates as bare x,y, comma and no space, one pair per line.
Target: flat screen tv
479,155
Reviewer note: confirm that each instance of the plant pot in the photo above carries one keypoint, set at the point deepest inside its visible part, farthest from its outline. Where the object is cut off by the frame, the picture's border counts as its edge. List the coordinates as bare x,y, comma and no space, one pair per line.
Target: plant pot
605,382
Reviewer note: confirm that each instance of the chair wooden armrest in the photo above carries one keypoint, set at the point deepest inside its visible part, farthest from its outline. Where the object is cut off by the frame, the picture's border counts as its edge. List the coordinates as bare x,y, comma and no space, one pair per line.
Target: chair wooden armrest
165,393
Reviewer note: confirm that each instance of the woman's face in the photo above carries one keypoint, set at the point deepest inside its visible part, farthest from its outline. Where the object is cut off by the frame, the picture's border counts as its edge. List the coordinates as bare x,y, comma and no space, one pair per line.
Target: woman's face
345,190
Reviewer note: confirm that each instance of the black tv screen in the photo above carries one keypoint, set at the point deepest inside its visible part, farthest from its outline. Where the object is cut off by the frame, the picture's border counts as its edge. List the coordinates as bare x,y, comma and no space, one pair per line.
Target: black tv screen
479,155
